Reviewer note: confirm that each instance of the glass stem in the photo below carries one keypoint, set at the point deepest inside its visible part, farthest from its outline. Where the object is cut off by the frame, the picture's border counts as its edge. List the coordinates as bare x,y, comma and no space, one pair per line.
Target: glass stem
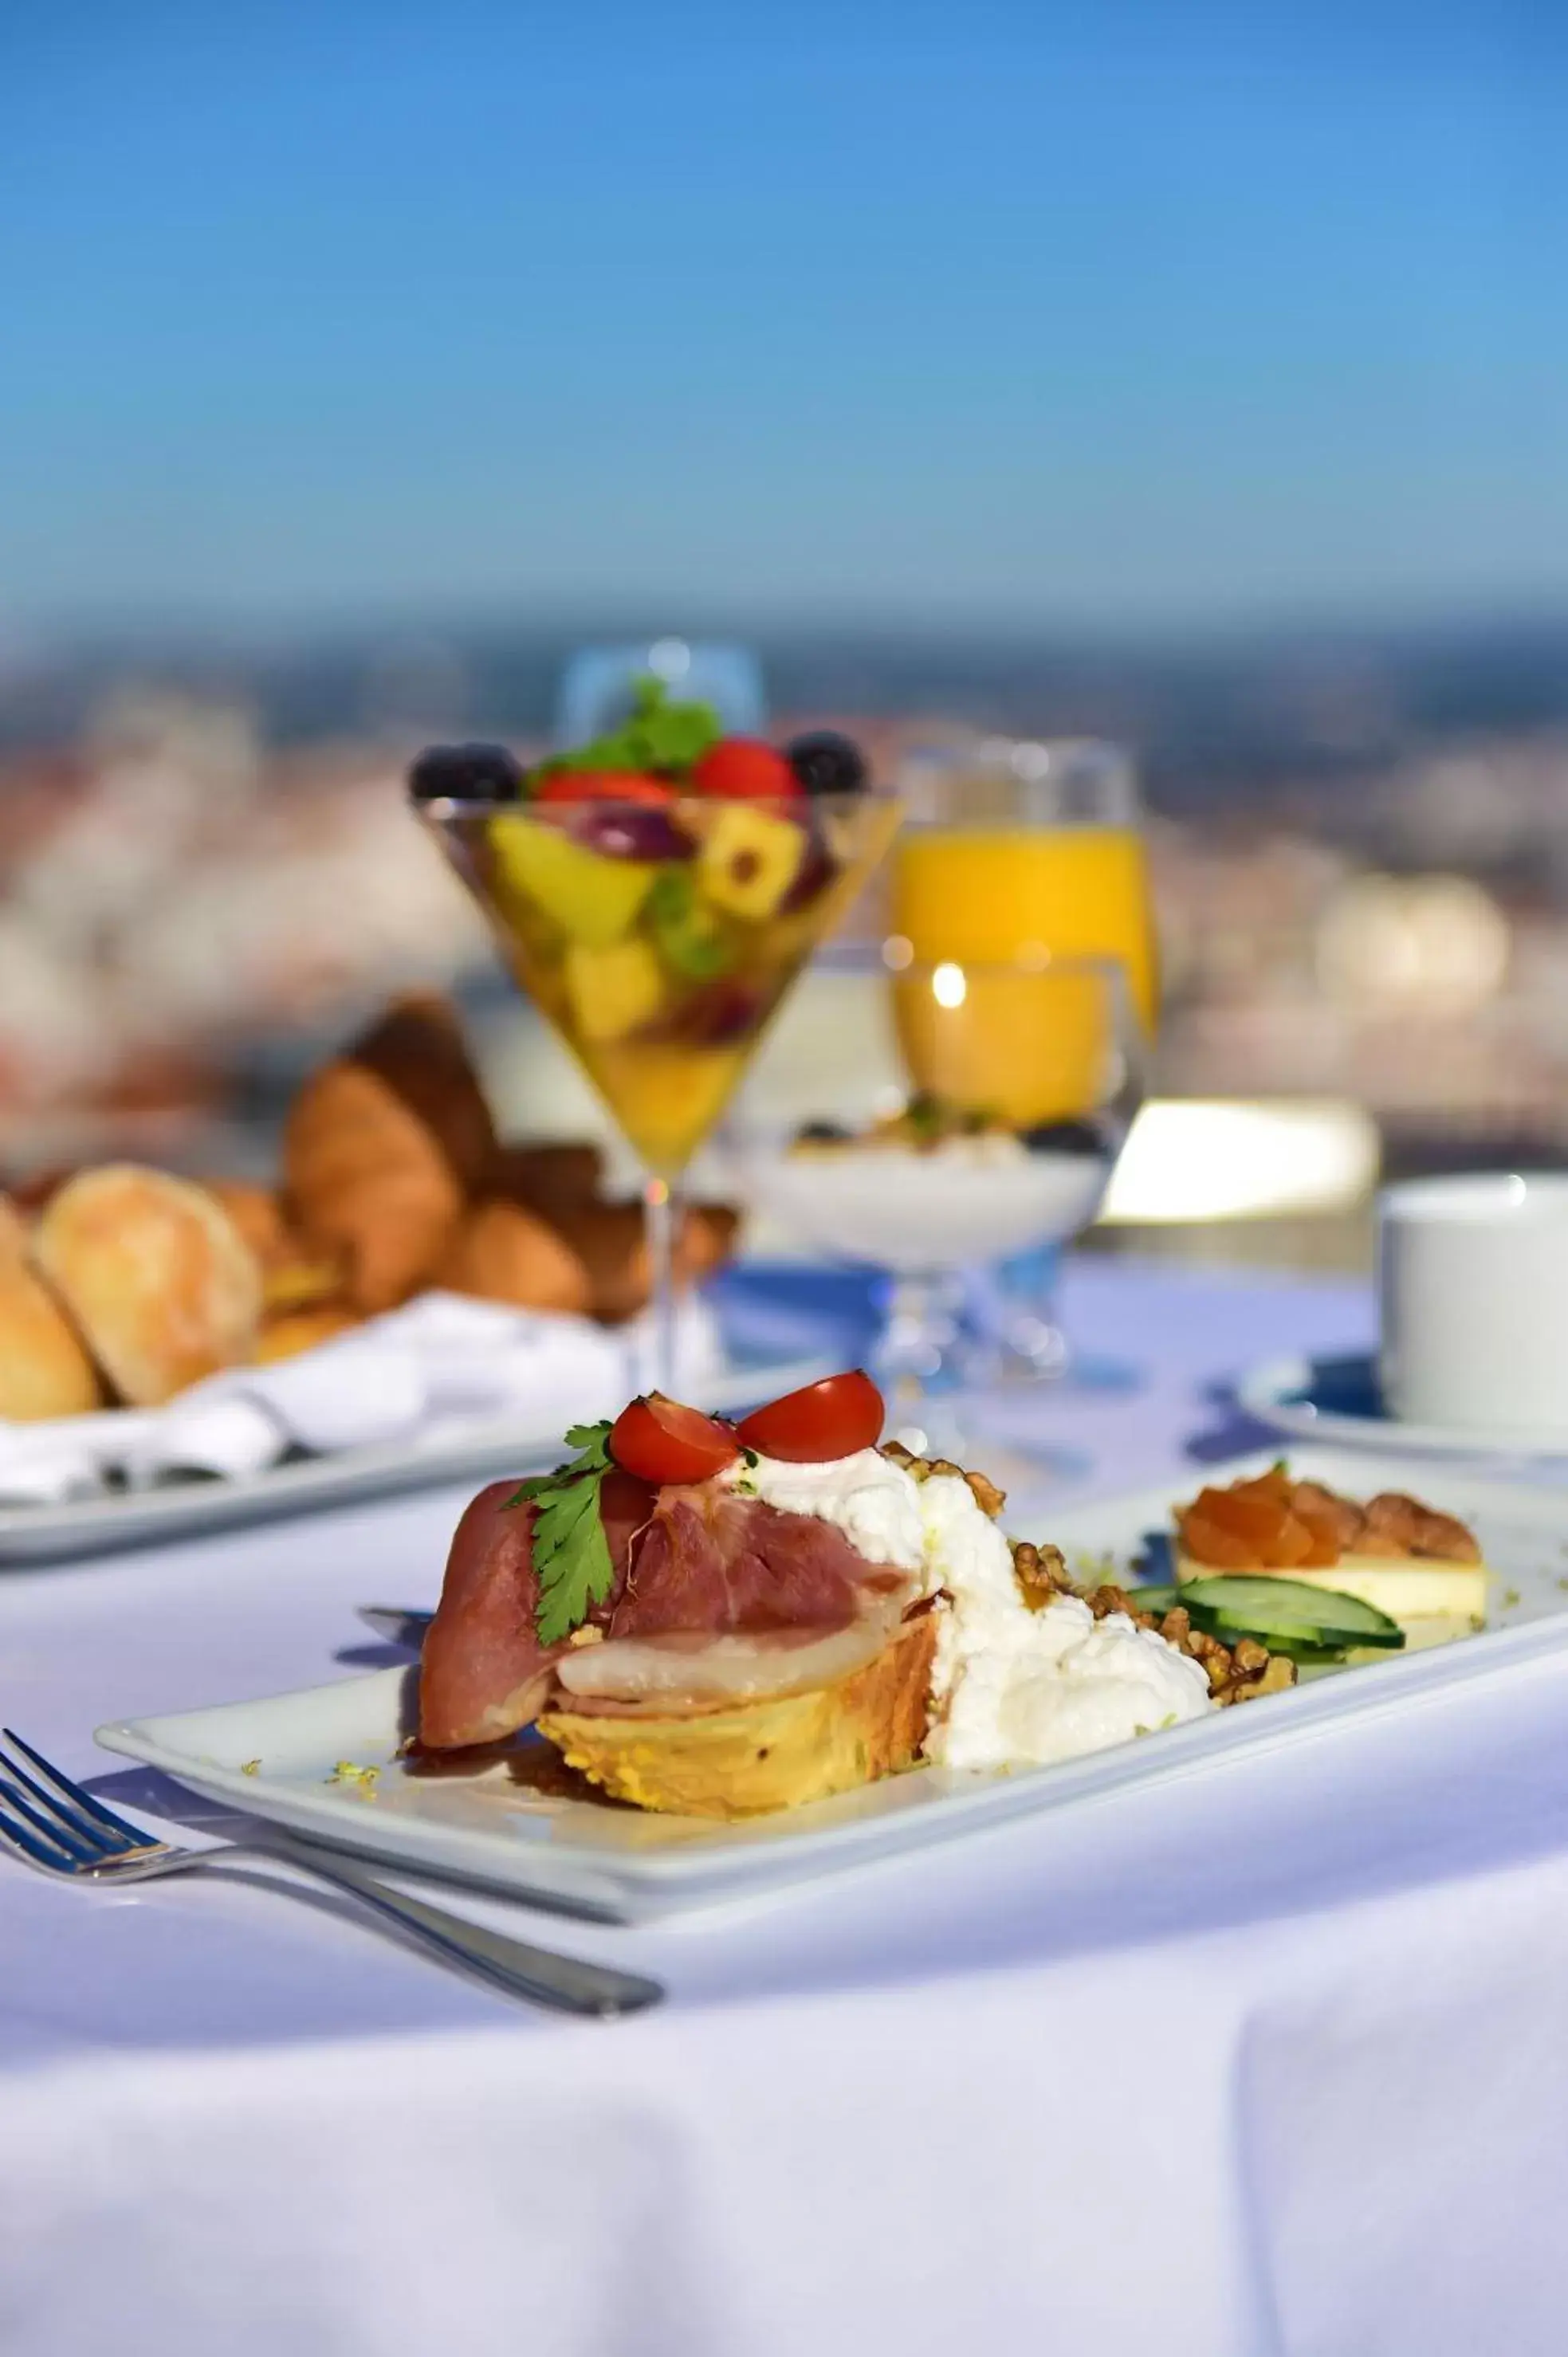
915,1358
664,1214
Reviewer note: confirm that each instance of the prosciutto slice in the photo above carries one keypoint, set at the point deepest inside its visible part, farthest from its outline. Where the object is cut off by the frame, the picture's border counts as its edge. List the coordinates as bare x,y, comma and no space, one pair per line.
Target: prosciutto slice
484,1672
692,1565
712,1560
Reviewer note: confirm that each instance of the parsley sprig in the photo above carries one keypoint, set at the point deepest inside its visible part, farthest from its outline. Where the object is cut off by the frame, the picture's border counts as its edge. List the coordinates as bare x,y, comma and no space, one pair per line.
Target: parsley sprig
657,735
571,1552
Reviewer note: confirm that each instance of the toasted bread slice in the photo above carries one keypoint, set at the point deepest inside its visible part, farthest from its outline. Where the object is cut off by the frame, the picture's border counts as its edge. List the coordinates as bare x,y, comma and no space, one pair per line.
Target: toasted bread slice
759,1755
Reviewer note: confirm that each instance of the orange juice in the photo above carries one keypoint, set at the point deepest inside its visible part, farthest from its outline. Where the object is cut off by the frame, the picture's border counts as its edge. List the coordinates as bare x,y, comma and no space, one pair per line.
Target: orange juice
979,892
1021,1047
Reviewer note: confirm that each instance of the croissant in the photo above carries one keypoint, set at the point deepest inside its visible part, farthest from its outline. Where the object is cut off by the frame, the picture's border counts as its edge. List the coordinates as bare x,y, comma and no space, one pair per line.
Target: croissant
417,1048
612,1239
503,1252
382,1147
367,1178
548,1179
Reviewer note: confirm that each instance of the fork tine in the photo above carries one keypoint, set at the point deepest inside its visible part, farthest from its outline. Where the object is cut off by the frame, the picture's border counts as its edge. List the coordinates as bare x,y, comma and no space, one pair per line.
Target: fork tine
82,1849
53,1817
17,1836
129,1836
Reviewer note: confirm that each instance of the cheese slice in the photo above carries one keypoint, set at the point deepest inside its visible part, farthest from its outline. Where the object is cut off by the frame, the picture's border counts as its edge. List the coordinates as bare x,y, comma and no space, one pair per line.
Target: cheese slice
1414,1590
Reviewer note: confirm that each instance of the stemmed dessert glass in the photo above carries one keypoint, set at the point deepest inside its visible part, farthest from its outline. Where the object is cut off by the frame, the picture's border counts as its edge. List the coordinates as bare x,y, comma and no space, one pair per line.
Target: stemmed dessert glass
658,930
943,1116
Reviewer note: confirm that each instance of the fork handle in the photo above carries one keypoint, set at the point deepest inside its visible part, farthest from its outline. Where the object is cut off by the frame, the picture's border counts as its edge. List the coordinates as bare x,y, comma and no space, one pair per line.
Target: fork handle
570,1984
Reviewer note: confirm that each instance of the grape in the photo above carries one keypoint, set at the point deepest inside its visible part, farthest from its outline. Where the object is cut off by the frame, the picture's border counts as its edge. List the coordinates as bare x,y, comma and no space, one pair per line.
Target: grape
827,763
484,773
627,831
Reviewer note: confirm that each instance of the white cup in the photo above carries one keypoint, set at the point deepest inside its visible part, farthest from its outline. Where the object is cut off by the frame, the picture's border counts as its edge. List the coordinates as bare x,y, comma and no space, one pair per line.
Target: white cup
1473,1285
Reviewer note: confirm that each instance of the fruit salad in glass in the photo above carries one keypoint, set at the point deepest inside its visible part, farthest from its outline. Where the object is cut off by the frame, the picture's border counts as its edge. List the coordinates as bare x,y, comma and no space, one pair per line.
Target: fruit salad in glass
656,892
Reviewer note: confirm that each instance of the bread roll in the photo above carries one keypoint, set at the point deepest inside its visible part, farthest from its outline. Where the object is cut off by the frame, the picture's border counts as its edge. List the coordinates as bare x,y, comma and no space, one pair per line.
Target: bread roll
763,1755
256,1211
294,1274
44,1371
504,1253
157,1277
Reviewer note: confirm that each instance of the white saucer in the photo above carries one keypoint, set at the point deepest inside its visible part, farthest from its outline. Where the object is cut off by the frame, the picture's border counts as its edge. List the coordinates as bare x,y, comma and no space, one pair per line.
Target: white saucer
1336,1400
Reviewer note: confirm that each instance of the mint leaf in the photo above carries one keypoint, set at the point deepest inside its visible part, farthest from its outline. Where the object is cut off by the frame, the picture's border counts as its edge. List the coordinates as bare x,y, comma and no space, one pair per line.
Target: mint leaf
571,1553
657,735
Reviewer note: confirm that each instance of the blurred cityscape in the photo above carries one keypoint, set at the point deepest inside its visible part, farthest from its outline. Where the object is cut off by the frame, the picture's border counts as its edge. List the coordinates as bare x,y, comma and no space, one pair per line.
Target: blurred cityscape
1360,846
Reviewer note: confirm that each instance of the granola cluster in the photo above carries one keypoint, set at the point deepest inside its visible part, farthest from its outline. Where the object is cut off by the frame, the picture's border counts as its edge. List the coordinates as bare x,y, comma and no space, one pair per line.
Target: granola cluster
986,1495
1237,1673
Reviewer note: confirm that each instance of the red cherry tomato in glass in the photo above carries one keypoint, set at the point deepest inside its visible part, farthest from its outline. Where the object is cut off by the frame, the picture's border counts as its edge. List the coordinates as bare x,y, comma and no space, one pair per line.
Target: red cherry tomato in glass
663,1441
742,769
832,1418
603,786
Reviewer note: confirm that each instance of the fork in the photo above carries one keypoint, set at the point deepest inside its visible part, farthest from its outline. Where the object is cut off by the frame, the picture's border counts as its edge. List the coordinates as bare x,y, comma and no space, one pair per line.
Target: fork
56,1826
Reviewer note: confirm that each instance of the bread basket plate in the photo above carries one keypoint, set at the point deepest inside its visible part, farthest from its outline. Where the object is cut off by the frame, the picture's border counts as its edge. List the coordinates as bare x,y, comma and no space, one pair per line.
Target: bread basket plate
277,1757
31,1536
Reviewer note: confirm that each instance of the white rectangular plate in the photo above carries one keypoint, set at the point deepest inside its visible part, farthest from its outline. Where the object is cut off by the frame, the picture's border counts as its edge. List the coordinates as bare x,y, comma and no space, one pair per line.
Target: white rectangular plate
482,1827
31,1536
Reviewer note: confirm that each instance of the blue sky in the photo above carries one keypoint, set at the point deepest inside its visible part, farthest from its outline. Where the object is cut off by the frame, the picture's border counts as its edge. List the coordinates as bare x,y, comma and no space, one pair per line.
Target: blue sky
997,313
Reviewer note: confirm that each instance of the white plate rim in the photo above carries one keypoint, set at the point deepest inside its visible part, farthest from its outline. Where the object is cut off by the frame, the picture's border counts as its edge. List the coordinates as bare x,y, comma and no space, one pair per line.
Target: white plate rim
728,1861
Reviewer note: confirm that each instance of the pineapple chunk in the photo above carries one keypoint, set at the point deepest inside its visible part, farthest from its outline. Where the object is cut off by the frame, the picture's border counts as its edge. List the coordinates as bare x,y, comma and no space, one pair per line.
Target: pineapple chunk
593,898
612,988
748,861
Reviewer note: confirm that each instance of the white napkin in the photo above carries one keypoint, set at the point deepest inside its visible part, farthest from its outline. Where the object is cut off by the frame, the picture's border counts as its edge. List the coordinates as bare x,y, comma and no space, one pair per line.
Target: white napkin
416,1377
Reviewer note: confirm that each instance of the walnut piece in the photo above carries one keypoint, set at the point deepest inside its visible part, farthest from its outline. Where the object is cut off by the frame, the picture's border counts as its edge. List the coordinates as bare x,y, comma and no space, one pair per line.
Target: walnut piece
1411,1528
1041,1574
984,1491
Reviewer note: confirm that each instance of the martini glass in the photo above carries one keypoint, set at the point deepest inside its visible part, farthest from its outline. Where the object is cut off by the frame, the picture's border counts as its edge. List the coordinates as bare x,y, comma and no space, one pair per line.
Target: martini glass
659,939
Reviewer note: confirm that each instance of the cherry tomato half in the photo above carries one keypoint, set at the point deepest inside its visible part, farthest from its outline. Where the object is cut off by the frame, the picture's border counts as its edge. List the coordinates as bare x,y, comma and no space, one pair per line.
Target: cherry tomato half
743,768
603,786
663,1441
832,1418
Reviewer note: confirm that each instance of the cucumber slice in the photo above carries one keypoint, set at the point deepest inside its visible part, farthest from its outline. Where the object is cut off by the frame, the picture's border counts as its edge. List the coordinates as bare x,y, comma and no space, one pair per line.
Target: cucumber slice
1277,1611
1157,1600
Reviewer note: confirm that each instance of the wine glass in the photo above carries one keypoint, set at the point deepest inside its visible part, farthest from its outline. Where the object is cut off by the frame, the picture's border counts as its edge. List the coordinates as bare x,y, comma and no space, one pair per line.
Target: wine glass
938,1115
599,685
657,930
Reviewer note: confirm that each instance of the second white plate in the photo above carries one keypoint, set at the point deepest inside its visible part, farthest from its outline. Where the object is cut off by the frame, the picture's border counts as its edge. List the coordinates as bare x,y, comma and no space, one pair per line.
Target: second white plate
1337,1401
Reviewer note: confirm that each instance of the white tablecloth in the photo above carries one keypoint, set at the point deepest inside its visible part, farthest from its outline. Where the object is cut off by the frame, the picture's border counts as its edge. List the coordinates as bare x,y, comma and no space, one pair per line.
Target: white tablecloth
1273,2060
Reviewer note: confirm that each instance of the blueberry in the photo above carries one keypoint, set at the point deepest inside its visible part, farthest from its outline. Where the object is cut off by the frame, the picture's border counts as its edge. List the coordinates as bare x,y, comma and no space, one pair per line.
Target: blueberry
1064,1137
827,763
470,773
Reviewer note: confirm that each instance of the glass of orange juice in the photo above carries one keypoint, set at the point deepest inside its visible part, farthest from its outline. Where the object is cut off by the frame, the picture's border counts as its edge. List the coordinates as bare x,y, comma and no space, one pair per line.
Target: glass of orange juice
1031,852
1013,850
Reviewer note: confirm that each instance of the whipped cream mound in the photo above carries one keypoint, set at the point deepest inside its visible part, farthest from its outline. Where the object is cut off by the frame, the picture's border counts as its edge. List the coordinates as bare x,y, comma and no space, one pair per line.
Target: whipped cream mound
1012,1688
